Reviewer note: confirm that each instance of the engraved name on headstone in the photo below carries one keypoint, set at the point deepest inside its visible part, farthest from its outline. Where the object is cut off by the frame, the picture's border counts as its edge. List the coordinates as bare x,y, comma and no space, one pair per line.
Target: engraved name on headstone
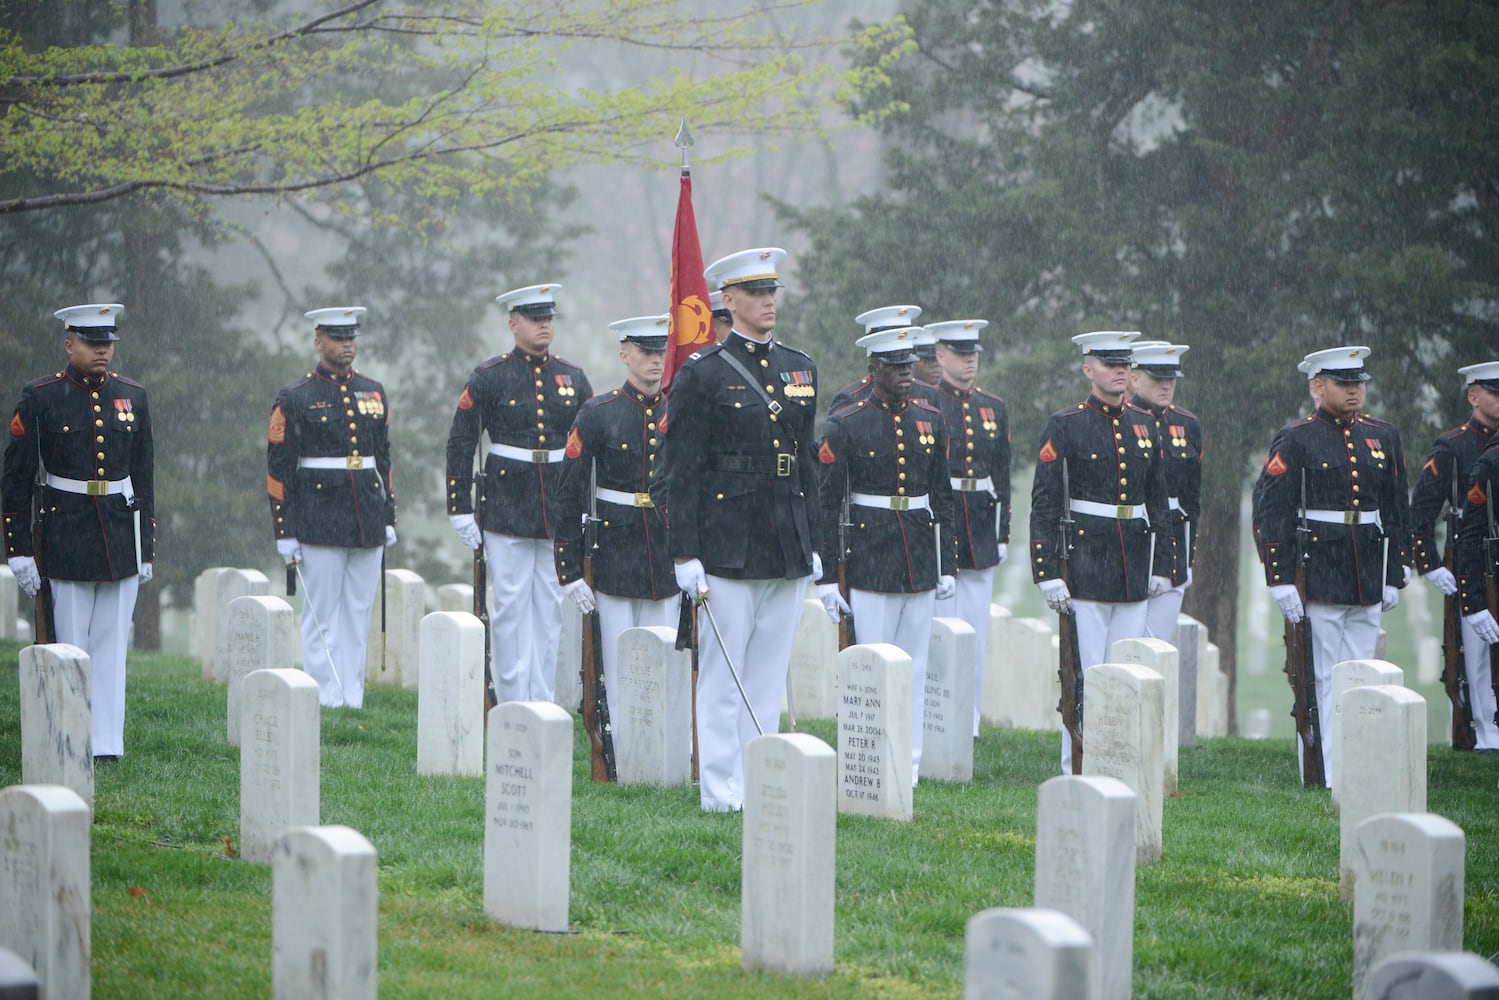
874,731
528,809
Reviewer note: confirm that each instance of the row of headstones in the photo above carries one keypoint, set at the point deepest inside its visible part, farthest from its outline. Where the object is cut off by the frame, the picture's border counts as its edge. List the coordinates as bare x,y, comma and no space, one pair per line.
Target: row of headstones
1021,686
394,652
323,907
528,792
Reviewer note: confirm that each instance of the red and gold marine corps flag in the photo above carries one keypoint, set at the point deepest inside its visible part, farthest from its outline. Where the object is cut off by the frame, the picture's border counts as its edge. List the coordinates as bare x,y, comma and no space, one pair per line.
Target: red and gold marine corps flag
691,320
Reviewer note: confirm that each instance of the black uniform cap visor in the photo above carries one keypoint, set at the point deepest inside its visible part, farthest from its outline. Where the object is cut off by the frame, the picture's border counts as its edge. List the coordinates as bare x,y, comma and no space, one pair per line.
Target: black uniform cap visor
1348,376
904,356
756,284
339,332
1161,371
648,343
1111,357
962,346
537,310
95,334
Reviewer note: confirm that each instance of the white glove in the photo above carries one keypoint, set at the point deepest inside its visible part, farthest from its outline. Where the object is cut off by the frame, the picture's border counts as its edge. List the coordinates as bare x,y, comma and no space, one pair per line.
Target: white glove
832,601
816,566
1058,597
1483,623
1391,598
581,594
1407,578
27,578
1159,585
1442,579
390,535
147,569
692,579
290,549
1290,602
467,528
1004,552
946,587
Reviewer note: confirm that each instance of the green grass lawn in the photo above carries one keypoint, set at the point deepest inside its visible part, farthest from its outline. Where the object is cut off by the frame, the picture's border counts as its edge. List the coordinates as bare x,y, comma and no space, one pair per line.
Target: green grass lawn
1244,904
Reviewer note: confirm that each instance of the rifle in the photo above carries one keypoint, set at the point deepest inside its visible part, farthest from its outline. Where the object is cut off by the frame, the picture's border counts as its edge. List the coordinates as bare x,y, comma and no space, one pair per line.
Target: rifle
481,611
595,697
1454,673
1299,668
46,624
1070,666
1491,591
846,634
687,639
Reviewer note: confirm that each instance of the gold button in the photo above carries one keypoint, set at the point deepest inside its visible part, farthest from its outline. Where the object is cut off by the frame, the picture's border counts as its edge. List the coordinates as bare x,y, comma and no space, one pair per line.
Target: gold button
900,447
99,439
719,496
97,409
775,443
770,388
97,472
541,439
538,383
1123,481
651,427
900,475
100,456
355,453
348,413
764,363
650,413
651,441
98,423
354,439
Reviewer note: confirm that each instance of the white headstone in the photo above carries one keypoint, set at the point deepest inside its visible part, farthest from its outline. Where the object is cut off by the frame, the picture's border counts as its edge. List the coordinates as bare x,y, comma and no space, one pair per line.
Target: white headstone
1122,740
874,731
1409,894
1025,954
205,613
528,792
323,914
1035,687
1384,763
1453,975
1160,656
1191,641
44,883
405,606
56,720
814,663
229,584
947,710
1212,694
790,830
279,759
653,736
456,597
262,636
10,603
1257,726
569,693
994,707
450,699
1085,867
1346,675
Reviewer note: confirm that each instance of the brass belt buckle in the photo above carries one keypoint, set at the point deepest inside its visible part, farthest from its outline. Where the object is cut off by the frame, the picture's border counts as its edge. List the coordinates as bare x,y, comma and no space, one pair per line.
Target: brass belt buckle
967,485
900,503
98,487
355,462
1125,511
1350,517
783,464
644,500
540,457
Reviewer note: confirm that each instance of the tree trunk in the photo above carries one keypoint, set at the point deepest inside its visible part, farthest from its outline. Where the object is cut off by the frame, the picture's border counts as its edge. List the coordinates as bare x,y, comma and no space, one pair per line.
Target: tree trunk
1213,598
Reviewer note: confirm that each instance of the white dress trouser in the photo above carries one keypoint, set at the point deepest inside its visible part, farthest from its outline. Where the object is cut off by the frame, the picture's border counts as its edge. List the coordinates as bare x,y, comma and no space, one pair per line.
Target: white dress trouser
905,621
615,615
971,604
95,617
341,586
1480,689
526,620
1162,612
1339,632
758,619
1099,626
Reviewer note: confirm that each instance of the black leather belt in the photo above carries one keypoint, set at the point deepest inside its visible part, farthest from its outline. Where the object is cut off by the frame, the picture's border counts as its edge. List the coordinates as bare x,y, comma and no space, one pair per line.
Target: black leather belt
778,466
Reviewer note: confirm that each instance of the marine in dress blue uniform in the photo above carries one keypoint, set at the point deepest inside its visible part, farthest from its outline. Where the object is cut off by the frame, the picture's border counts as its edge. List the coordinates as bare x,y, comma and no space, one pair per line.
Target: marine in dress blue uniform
1353,467
740,481
1155,367
893,318
1116,485
85,432
1479,475
333,507
978,467
526,401
611,453
884,458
